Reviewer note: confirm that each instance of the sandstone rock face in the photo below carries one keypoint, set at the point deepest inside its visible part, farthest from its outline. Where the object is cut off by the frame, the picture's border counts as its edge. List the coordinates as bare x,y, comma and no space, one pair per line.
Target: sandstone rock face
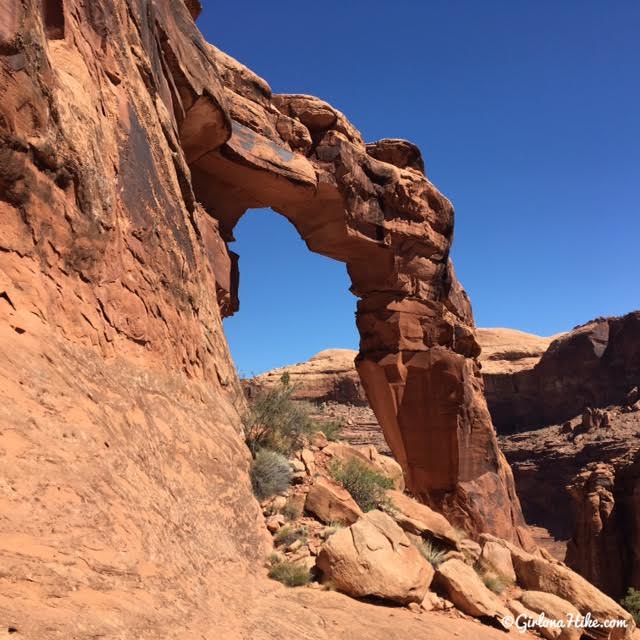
129,148
509,350
467,591
498,558
593,476
596,548
594,365
604,545
331,503
373,557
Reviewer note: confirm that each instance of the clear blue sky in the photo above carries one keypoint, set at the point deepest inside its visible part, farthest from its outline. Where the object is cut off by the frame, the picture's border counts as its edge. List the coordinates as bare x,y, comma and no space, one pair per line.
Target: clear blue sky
528,115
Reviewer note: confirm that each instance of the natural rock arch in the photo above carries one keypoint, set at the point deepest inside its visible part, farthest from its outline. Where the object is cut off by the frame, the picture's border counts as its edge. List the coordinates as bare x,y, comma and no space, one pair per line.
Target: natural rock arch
371,207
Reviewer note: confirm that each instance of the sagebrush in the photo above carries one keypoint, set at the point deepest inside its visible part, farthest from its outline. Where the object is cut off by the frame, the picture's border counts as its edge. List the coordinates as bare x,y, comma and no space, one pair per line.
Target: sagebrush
366,486
274,421
290,573
270,474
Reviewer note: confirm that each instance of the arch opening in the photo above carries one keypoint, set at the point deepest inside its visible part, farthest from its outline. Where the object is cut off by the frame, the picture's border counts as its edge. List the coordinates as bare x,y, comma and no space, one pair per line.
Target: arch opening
293,303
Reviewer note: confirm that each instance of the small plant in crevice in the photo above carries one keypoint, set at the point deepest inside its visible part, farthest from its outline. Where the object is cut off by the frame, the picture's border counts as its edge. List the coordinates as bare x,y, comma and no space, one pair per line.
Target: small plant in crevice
287,535
291,511
430,551
495,583
290,573
492,580
366,486
270,474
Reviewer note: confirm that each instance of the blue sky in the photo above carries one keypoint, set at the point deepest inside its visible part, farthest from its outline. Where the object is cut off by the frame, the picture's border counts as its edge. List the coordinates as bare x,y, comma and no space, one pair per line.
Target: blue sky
528,116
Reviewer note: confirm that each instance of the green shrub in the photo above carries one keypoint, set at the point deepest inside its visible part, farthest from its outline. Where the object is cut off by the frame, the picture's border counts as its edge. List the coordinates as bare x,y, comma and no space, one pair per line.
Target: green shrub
274,421
430,551
366,486
270,474
631,602
331,429
286,535
290,573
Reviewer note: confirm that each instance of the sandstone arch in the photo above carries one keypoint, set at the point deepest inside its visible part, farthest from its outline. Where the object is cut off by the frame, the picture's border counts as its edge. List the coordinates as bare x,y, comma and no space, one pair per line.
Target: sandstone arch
371,207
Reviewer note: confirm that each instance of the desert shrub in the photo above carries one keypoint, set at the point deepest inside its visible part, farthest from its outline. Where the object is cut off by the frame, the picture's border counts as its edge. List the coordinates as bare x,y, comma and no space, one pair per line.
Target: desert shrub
270,474
331,429
495,583
430,551
331,529
286,535
291,511
366,486
290,573
631,602
274,421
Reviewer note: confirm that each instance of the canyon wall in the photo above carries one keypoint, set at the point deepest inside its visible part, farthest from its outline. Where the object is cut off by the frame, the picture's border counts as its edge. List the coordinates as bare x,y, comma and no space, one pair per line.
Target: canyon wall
594,365
129,148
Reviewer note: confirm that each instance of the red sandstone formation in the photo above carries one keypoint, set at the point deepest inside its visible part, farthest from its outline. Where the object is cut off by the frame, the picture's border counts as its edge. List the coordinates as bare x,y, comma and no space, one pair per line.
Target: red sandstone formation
594,365
129,148
329,376
393,229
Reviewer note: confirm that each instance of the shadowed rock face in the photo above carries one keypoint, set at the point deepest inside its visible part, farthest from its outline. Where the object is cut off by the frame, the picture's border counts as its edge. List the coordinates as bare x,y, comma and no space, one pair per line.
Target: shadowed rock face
129,148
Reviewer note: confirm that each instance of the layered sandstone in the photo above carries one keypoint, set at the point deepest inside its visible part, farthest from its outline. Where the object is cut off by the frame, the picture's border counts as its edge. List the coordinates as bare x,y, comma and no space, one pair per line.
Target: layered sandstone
593,365
329,376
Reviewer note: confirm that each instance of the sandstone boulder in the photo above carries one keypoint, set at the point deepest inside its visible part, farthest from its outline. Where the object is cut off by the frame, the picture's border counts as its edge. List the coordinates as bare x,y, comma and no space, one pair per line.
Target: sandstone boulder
554,608
330,502
497,557
540,574
465,589
419,519
373,557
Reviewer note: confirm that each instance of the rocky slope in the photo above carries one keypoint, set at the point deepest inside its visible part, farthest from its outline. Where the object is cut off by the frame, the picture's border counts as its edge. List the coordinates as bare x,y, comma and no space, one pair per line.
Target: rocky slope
396,550
592,517
591,469
129,148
